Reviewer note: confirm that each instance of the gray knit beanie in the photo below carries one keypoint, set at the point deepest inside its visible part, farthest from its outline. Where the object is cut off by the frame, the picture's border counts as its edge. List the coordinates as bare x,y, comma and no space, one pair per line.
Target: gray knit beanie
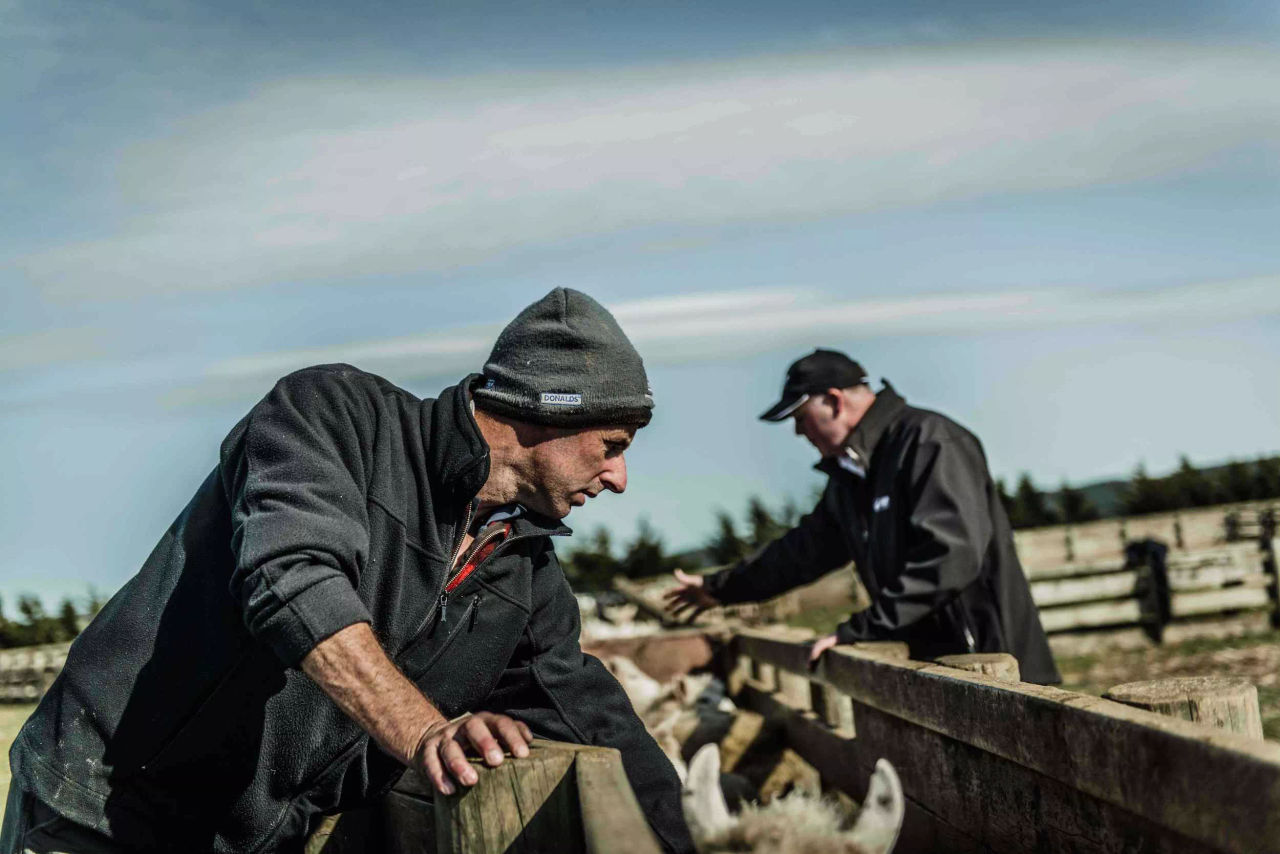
565,361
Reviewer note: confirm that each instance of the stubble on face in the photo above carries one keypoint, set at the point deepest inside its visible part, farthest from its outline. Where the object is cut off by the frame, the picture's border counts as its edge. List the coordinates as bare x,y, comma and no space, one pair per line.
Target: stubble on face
569,466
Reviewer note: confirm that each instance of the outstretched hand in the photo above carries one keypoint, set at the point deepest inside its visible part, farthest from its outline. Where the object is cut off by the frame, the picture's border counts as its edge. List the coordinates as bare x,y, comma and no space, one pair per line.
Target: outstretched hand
691,596
820,646
441,756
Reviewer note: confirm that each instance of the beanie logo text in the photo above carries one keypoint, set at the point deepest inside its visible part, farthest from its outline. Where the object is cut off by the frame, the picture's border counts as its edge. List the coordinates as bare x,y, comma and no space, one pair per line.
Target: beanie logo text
555,398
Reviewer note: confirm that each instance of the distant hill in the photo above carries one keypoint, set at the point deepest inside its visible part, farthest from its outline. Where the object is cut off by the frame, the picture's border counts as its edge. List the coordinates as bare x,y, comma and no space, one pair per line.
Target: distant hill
1108,495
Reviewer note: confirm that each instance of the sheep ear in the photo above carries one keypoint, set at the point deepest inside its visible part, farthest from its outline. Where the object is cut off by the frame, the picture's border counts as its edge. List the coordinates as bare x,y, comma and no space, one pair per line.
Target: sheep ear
881,817
704,805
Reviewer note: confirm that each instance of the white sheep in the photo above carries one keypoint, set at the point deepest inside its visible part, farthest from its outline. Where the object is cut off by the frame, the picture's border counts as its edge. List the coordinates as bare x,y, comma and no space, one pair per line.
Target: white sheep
794,824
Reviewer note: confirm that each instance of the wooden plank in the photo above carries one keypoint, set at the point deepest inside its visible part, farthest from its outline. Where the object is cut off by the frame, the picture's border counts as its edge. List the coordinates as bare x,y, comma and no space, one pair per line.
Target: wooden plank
766,648
1231,554
523,805
648,600
1113,585
997,665
1213,577
1231,800
1077,569
612,821
1121,612
1006,806
965,799
1226,599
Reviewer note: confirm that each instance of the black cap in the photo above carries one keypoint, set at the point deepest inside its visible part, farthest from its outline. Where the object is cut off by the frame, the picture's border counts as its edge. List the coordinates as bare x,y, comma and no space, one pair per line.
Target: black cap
815,373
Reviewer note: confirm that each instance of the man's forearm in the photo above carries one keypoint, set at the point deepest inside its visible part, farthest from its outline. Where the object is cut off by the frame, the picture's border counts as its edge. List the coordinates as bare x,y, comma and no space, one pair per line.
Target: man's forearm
353,669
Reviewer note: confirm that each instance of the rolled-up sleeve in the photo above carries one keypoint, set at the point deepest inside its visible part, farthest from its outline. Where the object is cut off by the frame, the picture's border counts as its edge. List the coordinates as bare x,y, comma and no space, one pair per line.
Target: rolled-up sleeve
294,474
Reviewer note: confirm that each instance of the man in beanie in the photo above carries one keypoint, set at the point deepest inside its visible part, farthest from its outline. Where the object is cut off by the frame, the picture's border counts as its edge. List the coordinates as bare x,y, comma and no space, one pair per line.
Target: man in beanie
365,582
910,502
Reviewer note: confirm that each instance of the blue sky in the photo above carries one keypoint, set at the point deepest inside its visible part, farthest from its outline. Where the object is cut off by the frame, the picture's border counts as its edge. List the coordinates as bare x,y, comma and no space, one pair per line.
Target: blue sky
1054,222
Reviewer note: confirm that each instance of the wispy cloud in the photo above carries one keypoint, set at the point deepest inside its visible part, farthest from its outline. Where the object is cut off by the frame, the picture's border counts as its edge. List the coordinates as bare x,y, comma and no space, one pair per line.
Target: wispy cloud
355,178
46,347
696,327
716,326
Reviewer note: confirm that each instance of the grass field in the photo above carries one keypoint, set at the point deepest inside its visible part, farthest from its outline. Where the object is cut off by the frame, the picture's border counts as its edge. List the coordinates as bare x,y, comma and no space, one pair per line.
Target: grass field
11,720
1256,658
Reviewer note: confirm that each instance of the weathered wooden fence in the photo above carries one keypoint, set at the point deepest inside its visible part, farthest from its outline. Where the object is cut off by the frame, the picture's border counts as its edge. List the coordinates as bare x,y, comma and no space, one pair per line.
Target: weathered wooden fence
563,798
990,764
25,672
1228,579
1103,541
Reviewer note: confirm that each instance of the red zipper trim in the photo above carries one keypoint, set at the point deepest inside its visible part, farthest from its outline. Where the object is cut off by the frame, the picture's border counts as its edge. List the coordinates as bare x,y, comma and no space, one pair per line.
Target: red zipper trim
478,556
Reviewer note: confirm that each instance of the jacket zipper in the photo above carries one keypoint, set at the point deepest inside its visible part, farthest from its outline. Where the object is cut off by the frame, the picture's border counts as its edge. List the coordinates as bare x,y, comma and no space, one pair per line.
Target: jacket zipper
468,568
443,601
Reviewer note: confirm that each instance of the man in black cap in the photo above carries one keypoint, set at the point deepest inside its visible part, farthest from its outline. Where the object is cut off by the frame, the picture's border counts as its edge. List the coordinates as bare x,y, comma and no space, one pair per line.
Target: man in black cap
365,582
910,501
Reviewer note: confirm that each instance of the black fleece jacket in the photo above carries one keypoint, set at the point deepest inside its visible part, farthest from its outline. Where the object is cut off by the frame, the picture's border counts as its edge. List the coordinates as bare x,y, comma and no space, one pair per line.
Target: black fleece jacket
915,509
181,720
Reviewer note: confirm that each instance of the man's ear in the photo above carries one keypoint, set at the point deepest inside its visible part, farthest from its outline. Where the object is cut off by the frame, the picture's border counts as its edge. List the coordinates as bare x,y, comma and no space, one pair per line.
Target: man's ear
835,398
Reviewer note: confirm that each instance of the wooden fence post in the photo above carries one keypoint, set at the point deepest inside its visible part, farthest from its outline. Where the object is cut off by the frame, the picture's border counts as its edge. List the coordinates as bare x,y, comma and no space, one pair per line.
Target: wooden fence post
520,806
834,708
1227,702
997,665
739,673
795,689
1271,566
766,675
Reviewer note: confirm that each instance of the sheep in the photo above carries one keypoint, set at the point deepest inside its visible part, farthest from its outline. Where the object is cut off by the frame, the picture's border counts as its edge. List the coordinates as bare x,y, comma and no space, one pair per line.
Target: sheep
796,823
692,709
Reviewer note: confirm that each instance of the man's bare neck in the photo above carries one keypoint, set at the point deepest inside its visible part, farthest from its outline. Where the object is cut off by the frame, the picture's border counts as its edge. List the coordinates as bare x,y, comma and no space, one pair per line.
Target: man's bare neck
502,485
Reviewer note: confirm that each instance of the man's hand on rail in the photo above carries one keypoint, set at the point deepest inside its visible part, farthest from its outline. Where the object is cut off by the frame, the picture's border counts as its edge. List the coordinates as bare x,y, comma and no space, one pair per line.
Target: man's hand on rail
352,668
443,747
820,646
689,596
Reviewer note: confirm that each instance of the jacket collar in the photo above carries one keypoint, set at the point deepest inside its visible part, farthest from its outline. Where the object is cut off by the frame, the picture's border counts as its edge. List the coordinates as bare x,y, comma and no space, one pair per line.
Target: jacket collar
459,456
863,439
456,451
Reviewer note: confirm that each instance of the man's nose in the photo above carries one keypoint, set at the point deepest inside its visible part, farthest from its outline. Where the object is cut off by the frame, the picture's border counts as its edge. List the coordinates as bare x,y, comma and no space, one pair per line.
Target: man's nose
614,477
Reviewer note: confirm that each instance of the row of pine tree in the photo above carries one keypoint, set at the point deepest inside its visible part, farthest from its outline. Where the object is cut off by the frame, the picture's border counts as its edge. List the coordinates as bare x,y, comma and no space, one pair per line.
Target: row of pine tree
593,565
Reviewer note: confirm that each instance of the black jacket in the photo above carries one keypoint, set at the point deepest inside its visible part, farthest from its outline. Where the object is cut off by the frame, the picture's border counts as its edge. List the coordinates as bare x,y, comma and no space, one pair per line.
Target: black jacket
928,534
181,720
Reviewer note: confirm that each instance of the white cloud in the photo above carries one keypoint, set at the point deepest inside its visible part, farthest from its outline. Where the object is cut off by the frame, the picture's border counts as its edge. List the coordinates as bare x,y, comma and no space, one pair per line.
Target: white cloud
695,327
354,178
49,346
718,325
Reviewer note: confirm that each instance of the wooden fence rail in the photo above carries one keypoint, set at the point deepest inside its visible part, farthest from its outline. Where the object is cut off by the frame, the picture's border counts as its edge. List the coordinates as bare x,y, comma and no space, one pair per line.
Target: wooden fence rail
987,764
1192,584
563,797
25,672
